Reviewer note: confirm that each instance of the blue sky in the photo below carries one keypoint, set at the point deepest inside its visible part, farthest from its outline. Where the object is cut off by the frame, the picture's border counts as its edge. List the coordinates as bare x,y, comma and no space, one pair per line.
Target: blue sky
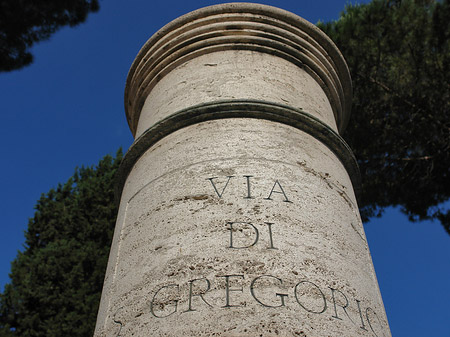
66,110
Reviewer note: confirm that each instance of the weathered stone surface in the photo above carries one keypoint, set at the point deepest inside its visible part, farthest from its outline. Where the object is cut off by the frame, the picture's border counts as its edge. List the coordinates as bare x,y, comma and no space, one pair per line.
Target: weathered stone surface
235,74
238,215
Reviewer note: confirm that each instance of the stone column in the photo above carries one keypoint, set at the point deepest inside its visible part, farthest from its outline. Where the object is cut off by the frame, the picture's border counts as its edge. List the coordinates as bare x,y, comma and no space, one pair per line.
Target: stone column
238,214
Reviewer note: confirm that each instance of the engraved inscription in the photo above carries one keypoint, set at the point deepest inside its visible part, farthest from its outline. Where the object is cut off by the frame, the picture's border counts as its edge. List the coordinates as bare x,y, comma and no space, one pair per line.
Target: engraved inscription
163,298
314,288
281,191
224,187
200,294
336,304
228,290
249,194
219,186
235,290
266,290
281,296
249,235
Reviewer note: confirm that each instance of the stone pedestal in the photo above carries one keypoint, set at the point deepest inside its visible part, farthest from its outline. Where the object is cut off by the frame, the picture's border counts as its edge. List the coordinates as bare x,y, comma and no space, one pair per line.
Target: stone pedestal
238,215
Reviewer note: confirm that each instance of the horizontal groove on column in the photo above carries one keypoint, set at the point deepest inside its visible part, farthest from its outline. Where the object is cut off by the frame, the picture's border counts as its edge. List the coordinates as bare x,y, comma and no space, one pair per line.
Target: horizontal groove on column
240,109
240,26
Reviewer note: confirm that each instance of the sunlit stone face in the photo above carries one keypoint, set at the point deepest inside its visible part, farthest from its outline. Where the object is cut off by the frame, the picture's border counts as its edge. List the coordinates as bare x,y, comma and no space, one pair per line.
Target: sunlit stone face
238,215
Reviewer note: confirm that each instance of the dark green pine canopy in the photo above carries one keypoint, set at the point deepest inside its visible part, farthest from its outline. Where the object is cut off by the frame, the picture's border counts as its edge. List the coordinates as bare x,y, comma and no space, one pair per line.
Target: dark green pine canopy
25,22
56,282
398,53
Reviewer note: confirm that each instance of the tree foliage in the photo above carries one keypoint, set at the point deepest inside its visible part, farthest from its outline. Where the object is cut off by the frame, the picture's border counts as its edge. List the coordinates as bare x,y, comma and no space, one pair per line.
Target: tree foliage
398,53
57,280
25,22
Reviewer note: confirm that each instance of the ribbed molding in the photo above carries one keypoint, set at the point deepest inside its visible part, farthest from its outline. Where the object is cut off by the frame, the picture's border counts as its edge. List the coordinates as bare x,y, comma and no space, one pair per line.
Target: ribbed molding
240,109
240,26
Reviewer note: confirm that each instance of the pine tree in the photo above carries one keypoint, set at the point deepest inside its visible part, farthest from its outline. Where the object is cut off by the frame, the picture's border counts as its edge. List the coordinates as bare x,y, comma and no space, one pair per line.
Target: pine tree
25,22
56,281
398,53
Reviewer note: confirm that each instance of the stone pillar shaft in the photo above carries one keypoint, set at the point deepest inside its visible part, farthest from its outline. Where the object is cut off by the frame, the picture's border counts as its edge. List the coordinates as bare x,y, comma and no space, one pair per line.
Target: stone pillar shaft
238,214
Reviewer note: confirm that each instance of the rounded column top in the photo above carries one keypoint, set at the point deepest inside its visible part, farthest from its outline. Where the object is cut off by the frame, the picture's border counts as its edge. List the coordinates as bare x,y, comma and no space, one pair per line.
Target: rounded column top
240,26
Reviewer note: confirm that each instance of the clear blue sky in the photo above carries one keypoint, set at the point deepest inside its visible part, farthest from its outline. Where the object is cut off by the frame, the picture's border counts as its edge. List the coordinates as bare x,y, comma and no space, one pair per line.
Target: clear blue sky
66,110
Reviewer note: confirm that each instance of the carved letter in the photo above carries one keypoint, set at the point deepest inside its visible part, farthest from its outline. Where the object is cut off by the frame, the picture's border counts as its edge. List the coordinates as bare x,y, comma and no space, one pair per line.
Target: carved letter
310,310
249,195
370,324
231,234
342,306
228,290
215,189
115,320
252,291
152,303
270,235
282,192
360,315
208,286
